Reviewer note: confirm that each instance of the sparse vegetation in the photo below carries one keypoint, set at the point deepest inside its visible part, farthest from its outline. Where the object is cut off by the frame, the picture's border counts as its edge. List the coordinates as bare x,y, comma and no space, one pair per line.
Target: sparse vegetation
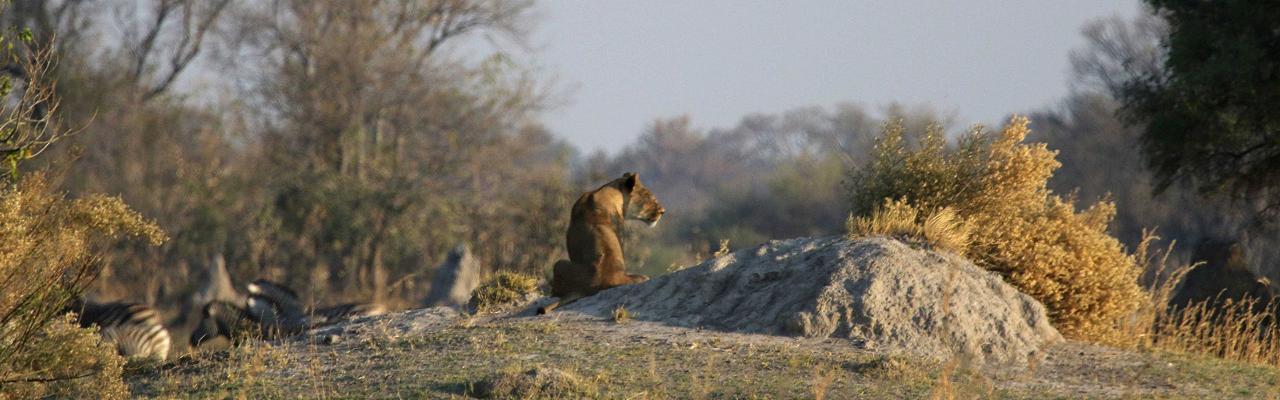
503,288
1234,330
647,361
997,184
621,315
536,383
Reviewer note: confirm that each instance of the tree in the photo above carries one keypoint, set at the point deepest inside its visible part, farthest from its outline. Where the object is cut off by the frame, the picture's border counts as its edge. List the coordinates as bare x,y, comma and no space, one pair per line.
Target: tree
1209,115
25,127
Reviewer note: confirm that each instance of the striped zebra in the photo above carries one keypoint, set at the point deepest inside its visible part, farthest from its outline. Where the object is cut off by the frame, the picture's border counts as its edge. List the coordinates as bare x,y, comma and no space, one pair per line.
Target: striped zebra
136,329
270,311
286,300
237,322
273,300
222,319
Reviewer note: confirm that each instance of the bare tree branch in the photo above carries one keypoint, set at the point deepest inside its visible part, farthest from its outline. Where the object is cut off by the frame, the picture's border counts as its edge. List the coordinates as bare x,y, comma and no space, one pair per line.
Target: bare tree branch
194,19
188,46
142,53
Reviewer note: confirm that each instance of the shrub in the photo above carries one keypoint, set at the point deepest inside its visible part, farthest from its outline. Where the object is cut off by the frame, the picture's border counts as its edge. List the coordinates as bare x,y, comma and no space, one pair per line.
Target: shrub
997,185
64,361
504,287
50,251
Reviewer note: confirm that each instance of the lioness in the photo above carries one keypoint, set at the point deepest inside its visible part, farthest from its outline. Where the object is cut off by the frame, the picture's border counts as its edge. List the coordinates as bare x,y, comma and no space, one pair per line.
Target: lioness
595,253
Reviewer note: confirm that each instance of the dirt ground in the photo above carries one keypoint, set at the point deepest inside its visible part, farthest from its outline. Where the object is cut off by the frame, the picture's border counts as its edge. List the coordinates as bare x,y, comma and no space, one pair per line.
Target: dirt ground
439,353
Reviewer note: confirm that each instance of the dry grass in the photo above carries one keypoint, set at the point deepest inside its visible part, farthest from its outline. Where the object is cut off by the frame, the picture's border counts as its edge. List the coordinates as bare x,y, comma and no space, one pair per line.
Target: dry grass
723,250
823,377
640,361
997,185
503,288
944,390
1236,330
64,361
940,229
621,315
537,383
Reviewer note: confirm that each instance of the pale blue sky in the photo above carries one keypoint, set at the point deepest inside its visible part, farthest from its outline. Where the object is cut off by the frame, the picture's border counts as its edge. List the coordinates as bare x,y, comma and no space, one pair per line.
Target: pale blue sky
625,63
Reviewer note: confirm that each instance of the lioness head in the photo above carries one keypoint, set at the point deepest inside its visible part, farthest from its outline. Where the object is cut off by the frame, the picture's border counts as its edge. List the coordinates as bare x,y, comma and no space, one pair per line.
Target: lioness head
640,203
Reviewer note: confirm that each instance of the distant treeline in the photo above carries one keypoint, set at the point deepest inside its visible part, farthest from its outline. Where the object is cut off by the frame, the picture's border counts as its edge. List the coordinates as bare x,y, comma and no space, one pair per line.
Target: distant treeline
344,147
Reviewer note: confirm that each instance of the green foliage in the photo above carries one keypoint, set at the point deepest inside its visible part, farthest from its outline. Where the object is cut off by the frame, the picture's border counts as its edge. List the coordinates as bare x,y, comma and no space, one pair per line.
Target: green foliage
504,287
1209,114
997,185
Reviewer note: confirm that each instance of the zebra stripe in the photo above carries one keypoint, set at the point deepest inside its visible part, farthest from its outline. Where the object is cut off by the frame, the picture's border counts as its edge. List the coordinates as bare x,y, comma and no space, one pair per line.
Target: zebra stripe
136,329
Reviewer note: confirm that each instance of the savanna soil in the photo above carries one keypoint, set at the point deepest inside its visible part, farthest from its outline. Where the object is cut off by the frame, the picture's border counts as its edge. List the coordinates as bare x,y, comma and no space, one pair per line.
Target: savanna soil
438,353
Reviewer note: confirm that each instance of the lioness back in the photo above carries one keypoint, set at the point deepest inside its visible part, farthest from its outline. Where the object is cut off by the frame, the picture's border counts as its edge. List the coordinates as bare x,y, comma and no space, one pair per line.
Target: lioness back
595,252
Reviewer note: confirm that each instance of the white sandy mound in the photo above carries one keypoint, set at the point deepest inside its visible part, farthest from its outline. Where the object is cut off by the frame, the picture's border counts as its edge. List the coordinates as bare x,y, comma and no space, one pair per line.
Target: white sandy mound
880,293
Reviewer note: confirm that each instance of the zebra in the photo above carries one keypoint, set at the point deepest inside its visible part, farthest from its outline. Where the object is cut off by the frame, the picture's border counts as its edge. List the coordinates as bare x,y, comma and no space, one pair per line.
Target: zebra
237,322
273,300
136,329
286,300
225,319
271,310
333,314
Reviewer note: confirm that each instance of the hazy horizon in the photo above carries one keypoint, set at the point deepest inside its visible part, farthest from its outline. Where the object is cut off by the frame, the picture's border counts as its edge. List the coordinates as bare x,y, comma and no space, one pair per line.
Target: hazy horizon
624,64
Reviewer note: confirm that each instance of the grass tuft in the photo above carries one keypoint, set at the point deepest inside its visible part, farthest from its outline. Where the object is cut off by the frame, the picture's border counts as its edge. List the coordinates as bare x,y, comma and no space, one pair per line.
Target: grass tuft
621,315
941,229
503,288
538,383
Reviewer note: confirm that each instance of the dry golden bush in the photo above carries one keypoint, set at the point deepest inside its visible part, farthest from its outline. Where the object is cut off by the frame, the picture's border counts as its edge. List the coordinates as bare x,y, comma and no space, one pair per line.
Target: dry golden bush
941,228
997,184
65,361
50,251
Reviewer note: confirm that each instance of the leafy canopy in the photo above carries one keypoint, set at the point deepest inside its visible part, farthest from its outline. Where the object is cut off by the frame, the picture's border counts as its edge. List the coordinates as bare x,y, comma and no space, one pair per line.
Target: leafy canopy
1209,114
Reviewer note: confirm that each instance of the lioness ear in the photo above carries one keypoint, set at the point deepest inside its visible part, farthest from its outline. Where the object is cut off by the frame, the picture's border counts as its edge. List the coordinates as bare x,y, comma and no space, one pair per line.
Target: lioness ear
629,181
